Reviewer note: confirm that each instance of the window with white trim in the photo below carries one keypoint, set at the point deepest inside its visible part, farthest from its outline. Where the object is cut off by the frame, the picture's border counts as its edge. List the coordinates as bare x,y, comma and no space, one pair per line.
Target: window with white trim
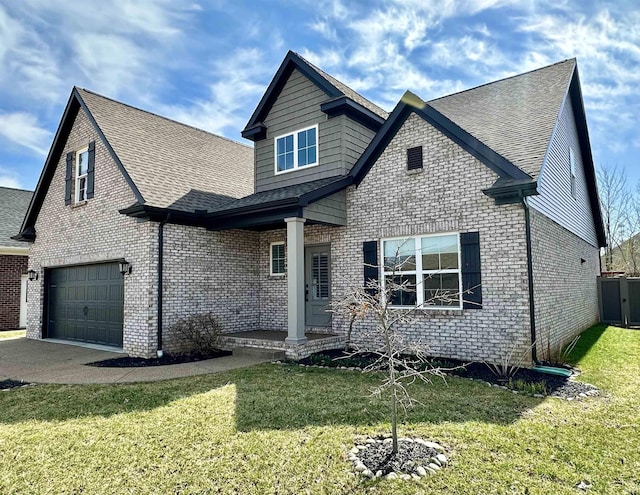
572,170
277,258
82,169
296,150
429,266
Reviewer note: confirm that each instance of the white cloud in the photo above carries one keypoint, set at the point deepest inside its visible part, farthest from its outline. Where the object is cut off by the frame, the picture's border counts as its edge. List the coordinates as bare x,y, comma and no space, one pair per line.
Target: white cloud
9,181
23,130
239,83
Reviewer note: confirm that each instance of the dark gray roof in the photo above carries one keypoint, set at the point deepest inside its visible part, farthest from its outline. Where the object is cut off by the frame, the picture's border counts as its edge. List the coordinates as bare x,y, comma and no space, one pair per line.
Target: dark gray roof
516,116
172,164
348,92
280,194
13,207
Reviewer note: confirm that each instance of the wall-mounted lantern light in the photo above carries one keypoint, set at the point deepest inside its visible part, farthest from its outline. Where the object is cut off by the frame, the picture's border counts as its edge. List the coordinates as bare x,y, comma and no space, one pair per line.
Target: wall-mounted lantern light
125,267
33,275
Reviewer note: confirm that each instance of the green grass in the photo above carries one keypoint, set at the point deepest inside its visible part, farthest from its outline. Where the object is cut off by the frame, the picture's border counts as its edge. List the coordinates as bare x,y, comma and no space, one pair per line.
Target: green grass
286,429
12,334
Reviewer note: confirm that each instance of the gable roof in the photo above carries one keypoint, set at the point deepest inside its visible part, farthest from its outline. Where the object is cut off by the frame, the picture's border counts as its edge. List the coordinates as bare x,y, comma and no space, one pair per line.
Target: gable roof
372,114
515,116
166,159
13,206
166,163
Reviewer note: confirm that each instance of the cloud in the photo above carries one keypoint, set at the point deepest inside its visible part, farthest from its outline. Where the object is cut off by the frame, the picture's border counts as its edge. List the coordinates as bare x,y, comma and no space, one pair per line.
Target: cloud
9,178
22,129
240,80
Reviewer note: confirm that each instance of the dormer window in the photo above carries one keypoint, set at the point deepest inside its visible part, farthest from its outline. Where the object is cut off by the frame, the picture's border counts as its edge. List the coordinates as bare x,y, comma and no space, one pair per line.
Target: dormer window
82,170
296,150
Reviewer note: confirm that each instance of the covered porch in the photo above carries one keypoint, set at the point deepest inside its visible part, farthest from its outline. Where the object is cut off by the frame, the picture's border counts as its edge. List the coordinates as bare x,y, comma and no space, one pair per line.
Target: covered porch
296,318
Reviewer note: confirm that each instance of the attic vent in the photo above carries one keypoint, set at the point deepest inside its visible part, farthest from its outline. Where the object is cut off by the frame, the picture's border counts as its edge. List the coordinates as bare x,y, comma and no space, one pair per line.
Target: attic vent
414,158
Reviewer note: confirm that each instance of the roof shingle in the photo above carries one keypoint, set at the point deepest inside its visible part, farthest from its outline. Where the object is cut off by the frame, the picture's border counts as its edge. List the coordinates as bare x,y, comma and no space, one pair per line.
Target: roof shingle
13,206
515,116
173,164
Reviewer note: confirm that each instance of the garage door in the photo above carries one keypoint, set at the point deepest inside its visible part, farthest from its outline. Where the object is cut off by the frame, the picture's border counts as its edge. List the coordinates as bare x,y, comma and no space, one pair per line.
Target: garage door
85,303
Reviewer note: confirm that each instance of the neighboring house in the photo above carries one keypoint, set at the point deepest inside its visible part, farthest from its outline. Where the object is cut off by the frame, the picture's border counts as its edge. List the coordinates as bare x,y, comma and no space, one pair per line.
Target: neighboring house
489,194
13,259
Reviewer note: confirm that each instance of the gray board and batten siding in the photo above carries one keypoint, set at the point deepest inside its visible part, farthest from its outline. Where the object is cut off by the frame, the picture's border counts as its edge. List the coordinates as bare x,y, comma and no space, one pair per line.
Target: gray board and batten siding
554,183
341,140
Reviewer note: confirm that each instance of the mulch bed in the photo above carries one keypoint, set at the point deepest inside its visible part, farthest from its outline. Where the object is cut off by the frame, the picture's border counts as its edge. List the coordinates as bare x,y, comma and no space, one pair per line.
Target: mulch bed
166,359
9,384
527,380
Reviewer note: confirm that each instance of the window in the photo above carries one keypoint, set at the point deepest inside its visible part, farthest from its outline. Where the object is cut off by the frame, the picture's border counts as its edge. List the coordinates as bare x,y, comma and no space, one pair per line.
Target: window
277,258
414,158
82,169
296,150
427,268
572,170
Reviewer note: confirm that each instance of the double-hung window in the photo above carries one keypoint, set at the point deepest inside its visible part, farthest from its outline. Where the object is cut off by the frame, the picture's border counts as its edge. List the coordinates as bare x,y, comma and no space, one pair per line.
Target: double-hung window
277,255
296,150
82,169
425,270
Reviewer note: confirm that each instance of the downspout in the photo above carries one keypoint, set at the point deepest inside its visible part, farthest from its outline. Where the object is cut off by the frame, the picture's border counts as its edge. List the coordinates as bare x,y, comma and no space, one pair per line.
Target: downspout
160,278
532,306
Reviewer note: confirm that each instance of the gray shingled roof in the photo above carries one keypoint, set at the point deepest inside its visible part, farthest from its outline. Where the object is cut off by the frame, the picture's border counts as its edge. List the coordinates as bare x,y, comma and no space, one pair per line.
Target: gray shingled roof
13,207
515,116
347,91
282,193
173,164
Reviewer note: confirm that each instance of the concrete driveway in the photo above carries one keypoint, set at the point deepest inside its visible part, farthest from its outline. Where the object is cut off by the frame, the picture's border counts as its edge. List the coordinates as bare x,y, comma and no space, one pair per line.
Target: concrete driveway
38,361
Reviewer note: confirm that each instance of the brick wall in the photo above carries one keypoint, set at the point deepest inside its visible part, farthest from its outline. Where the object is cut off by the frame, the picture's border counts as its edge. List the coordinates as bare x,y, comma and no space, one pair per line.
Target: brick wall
94,232
445,197
11,269
209,272
564,287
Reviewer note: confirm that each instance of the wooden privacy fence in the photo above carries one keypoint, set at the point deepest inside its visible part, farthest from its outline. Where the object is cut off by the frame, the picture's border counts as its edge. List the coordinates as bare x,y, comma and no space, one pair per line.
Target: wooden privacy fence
619,300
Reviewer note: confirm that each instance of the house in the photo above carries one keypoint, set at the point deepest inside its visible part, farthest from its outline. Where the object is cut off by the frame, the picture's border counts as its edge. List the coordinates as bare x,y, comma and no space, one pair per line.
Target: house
13,259
489,193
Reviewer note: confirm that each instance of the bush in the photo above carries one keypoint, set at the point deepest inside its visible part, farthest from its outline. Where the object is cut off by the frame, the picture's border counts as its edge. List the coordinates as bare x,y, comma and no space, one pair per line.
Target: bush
198,333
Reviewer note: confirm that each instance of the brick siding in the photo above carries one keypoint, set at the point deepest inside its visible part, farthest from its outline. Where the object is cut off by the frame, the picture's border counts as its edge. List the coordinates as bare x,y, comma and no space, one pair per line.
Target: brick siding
94,232
565,288
12,267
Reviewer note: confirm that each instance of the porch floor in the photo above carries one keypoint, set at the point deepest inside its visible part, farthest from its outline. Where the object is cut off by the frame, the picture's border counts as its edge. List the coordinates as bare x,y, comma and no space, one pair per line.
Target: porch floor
275,335
275,340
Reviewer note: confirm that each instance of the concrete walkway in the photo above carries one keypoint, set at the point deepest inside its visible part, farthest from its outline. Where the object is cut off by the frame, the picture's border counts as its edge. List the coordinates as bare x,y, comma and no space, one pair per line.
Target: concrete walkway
38,361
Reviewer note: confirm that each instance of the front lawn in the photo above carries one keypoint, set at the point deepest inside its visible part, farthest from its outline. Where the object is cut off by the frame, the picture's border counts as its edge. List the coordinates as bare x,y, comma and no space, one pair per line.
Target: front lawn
286,429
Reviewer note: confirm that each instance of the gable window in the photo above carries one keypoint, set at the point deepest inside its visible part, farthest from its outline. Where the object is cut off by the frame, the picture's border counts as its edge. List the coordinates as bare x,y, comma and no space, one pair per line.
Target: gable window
296,150
277,256
82,169
572,170
429,269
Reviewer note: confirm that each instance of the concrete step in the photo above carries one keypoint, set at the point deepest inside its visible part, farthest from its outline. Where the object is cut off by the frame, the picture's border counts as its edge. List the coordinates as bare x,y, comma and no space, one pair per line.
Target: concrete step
258,352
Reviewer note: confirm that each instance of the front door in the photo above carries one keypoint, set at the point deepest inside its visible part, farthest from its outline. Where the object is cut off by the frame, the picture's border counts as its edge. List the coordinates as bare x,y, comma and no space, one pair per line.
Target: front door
24,283
317,274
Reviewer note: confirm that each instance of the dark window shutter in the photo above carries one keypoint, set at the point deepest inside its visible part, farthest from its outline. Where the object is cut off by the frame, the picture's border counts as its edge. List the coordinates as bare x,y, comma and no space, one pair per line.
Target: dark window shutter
68,178
91,169
471,279
414,158
370,251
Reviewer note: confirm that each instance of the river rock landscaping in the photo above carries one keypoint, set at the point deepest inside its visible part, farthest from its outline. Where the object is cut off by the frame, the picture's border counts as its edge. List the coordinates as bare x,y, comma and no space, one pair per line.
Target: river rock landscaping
415,458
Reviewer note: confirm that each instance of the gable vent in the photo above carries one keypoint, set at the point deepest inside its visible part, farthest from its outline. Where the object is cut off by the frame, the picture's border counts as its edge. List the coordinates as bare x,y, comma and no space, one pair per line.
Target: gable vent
414,158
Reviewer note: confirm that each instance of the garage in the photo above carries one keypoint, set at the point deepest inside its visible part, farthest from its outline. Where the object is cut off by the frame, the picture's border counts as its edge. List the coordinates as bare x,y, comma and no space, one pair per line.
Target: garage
85,303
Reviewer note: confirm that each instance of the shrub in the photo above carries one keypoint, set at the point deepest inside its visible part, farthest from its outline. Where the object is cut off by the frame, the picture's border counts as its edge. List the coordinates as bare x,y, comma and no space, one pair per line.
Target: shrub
198,333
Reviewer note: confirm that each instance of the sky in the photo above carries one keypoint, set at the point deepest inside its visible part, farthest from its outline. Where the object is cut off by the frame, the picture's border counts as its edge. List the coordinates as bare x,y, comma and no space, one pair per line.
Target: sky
207,63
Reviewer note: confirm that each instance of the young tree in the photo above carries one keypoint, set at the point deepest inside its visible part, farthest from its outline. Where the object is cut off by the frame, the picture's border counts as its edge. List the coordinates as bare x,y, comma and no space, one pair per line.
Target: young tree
400,361
614,203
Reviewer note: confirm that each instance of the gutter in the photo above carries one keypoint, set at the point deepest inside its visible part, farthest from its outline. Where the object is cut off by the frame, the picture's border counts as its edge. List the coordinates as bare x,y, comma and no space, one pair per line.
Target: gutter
532,307
160,278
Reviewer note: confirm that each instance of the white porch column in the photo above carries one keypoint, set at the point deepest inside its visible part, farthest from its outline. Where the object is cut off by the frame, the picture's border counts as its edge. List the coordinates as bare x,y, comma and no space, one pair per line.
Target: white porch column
295,280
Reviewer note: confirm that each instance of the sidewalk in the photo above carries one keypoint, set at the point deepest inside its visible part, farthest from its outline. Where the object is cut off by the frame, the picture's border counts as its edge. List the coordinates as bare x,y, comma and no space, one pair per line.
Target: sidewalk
46,362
